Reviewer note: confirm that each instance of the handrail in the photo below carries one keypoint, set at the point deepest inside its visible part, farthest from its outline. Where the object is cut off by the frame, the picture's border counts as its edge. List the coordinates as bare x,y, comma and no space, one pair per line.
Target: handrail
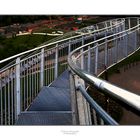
122,35
53,43
113,91
96,41
98,109
126,97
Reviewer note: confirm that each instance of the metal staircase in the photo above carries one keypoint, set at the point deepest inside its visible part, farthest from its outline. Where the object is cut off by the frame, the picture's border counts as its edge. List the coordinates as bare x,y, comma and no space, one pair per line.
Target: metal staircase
52,106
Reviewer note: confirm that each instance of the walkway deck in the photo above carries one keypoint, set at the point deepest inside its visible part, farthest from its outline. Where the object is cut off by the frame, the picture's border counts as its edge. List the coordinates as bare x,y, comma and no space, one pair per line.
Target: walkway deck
52,106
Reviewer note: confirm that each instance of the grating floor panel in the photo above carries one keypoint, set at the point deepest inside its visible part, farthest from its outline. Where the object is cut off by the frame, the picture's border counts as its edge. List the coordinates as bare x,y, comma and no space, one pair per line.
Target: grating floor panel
44,118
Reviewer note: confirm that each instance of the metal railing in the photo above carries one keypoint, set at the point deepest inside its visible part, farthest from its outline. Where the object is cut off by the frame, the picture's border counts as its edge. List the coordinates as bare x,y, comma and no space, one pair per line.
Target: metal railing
102,114
91,60
22,79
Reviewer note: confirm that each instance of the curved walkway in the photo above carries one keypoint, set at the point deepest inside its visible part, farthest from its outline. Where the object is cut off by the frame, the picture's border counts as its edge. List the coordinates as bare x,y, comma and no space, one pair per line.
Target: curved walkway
128,78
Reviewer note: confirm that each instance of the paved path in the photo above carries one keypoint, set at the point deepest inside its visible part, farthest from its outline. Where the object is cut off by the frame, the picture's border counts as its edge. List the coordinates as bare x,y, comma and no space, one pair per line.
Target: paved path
130,80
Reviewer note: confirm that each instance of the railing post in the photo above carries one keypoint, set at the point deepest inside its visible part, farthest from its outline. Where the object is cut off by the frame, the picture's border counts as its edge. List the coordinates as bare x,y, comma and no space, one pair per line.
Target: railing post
73,100
56,62
106,26
97,28
94,36
82,105
96,59
126,43
17,92
89,58
82,59
42,69
82,40
82,56
115,50
138,22
101,121
69,47
105,51
129,24
135,42
94,117
124,25
111,24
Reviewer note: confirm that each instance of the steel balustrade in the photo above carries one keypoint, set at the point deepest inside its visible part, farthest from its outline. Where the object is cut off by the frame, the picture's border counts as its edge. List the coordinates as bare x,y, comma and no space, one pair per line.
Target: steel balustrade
113,48
22,79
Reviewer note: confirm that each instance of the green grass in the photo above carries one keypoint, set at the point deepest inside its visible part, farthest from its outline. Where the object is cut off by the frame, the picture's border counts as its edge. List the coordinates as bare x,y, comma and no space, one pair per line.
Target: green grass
44,30
132,59
15,45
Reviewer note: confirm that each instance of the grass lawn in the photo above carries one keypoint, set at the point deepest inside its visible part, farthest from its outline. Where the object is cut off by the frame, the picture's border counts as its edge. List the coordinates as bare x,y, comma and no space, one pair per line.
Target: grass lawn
132,59
12,46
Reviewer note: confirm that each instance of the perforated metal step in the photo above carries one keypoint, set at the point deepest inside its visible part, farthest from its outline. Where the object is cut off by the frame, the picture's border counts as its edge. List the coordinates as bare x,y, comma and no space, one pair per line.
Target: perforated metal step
44,118
52,99
62,81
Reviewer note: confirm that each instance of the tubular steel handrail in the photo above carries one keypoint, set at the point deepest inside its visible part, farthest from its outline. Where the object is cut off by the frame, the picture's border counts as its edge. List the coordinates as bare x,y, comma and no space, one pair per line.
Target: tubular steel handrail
56,42
129,99
107,119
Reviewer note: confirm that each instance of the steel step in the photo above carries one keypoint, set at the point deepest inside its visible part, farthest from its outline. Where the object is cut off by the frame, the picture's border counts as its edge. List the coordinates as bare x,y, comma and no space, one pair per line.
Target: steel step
45,118
62,81
52,99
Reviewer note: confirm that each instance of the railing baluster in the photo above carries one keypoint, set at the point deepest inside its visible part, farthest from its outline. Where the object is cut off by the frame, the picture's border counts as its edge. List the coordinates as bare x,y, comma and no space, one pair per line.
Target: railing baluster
101,121
30,88
69,47
96,59
12,99
138,22
8,97
56,62
94,117
17,93
35,73
111,24
82,56
27,75
89,58
42,69
82,59
135,40
1,99
129,23
37,65
126,44
5,101
24,81
106,51
32,79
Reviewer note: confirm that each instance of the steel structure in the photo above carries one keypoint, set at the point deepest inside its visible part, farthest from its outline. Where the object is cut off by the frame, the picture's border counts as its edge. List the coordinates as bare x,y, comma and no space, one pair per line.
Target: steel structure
87,52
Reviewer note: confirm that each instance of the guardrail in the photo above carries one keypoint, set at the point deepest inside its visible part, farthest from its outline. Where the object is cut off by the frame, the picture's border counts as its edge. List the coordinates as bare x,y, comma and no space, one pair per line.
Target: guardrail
102,114
22,79
92,59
